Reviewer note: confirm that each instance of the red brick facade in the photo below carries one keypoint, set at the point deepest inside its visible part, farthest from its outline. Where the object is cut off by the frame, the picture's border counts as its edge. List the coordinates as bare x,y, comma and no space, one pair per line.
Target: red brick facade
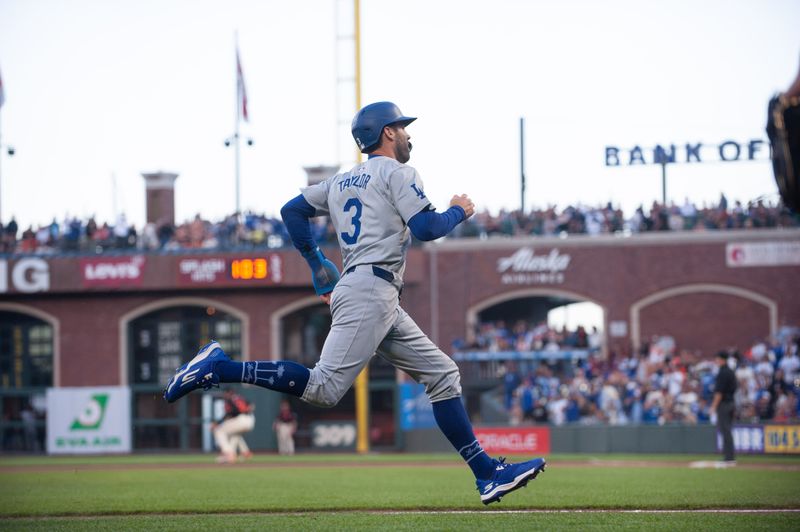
681,284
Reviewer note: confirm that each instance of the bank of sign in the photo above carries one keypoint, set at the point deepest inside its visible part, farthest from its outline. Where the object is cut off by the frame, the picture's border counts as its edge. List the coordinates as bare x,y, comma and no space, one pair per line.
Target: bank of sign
112,272
688,152
89,420
526,267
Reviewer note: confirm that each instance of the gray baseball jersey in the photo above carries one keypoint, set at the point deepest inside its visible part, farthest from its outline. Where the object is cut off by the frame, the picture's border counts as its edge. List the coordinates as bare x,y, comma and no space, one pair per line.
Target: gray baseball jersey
370,207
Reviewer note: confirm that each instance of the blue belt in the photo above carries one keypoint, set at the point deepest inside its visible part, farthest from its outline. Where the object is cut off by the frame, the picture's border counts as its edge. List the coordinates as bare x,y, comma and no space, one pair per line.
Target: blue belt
386,275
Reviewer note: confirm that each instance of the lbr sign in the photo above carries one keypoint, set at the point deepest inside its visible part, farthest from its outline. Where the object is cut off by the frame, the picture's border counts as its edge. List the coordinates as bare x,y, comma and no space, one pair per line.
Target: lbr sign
727,151
26,275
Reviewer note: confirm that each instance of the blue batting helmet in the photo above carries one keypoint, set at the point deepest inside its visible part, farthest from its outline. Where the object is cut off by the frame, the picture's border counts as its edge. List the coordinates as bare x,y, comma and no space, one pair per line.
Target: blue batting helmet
369,122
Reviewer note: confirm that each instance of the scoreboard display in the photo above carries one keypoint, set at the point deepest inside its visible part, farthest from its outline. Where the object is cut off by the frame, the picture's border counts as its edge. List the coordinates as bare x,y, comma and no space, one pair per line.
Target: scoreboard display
248,269
229,271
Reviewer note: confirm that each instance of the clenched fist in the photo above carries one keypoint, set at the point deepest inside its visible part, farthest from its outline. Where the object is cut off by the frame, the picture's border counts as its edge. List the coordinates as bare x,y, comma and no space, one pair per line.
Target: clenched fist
465,203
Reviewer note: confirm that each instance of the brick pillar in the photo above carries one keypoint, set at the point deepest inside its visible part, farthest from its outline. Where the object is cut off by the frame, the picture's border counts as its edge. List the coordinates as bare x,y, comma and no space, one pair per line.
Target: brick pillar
316,174
160,197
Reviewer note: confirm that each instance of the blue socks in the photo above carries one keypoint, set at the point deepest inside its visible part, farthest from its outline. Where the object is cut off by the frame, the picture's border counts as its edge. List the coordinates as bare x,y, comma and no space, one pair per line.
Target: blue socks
452,419
280,376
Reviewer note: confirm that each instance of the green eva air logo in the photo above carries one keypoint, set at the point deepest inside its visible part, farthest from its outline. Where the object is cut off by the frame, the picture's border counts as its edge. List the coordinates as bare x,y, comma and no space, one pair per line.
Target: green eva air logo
92,415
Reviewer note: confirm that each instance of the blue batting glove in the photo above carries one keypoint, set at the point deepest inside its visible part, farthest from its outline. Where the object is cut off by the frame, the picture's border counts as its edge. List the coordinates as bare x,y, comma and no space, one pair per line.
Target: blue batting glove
324,273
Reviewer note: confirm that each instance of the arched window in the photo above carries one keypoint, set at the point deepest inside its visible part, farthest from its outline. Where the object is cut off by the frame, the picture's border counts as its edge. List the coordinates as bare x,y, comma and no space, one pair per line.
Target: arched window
302,335
164,339
159,342
26,370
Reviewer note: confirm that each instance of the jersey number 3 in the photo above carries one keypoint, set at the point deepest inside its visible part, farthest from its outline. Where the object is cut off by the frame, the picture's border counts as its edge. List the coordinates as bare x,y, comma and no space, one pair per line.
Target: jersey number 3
355,221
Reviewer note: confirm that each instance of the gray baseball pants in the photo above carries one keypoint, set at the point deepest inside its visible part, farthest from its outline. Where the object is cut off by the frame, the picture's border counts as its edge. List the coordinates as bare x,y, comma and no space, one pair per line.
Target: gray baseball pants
368,320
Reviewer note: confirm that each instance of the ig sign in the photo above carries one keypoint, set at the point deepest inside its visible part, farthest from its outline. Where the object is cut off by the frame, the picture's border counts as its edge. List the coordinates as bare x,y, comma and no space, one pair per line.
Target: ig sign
25,276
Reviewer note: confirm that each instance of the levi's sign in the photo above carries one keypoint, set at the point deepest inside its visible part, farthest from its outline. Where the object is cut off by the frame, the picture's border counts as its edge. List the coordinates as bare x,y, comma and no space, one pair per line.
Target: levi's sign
112,271
526,267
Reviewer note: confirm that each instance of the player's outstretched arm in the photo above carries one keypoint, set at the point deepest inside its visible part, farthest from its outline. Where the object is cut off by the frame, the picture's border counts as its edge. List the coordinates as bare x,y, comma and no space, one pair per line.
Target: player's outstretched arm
324,273
430,225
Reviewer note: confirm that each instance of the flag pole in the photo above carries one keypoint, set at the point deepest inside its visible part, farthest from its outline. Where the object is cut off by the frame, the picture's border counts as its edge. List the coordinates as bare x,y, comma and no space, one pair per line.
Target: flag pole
236,127
1,153
2,149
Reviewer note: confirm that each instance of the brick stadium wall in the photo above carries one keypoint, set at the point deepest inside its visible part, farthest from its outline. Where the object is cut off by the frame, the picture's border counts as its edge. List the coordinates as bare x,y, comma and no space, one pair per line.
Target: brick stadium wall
620,274
707,322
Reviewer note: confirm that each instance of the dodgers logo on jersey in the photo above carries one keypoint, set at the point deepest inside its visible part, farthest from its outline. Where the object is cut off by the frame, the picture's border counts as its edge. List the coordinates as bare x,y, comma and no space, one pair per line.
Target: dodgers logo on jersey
420,193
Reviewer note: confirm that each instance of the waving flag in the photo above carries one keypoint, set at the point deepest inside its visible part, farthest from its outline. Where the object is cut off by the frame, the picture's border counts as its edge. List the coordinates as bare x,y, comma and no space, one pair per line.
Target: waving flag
242,92
2,92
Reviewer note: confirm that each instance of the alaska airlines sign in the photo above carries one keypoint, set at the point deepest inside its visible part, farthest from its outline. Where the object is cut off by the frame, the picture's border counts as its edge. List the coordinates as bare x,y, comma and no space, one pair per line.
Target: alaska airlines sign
727,151
526,267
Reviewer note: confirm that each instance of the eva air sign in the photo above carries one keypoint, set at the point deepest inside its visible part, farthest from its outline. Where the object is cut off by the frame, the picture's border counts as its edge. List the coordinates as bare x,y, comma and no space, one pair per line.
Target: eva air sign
88,420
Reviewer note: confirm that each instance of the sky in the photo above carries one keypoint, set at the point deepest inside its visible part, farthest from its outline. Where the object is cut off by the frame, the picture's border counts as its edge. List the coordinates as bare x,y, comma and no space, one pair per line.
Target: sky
99,91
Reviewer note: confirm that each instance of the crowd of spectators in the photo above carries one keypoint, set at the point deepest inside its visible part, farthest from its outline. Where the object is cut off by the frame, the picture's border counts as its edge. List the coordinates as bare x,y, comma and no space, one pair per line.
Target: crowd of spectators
659,384
497,336
251,230
610,220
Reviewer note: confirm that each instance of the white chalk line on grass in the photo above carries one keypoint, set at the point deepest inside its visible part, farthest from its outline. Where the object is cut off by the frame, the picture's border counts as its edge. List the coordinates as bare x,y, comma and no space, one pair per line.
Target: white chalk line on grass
487,512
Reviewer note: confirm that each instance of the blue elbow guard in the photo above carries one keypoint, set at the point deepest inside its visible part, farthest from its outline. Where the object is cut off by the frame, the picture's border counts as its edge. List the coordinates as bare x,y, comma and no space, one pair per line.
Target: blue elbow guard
324,273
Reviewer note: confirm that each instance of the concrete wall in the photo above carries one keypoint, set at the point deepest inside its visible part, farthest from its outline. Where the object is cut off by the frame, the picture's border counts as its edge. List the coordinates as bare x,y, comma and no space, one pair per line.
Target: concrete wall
598,439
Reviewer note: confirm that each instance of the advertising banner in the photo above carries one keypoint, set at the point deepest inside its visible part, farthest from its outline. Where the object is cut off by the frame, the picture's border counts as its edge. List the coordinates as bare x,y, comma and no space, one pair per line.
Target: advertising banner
760,439
203,270
783,439
514,440
221,271
89,420
747,439
751,254
112,272
334,435
416,411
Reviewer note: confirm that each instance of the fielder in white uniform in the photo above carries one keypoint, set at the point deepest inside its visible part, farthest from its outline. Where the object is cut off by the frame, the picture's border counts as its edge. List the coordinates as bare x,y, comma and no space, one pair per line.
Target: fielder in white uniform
373,207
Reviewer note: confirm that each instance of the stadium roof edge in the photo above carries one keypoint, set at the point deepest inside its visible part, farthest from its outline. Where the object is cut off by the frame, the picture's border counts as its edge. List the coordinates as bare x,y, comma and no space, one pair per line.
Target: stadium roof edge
665,238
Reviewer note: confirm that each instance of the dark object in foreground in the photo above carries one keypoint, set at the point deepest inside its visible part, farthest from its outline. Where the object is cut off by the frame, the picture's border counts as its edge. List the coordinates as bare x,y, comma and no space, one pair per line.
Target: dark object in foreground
783,130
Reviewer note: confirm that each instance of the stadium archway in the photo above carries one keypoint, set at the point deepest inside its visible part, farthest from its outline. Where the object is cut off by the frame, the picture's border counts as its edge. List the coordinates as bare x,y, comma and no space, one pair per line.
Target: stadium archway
157,338
299,330
29,364
704,316
531,305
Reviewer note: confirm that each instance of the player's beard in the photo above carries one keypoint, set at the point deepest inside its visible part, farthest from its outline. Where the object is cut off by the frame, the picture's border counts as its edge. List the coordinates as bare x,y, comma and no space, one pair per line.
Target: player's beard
403,152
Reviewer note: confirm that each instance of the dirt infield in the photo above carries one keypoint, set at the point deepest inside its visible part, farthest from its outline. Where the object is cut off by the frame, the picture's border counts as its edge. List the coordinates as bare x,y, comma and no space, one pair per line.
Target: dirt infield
572,464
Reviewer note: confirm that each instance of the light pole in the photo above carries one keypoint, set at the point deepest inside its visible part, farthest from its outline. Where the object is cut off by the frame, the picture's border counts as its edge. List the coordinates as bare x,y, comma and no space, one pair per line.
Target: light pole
10,150
234,139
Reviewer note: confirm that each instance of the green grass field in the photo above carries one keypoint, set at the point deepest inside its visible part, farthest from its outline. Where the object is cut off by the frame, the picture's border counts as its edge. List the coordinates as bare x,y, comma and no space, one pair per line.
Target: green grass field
392,492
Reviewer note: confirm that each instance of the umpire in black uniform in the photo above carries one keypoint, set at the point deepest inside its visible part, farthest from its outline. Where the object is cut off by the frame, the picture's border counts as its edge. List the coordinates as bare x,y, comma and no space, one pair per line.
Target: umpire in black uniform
724,388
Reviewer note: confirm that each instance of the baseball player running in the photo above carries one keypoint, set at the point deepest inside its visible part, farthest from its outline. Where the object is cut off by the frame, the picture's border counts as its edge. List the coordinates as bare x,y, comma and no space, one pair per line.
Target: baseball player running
372,207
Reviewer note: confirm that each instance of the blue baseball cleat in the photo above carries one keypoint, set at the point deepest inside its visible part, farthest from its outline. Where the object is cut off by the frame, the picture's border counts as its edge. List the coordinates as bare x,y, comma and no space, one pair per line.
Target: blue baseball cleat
507,478
197,373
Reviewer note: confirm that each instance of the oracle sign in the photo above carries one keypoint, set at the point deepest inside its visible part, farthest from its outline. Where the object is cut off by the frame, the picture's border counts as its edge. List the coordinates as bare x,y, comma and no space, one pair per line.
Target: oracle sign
112,271
514,440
